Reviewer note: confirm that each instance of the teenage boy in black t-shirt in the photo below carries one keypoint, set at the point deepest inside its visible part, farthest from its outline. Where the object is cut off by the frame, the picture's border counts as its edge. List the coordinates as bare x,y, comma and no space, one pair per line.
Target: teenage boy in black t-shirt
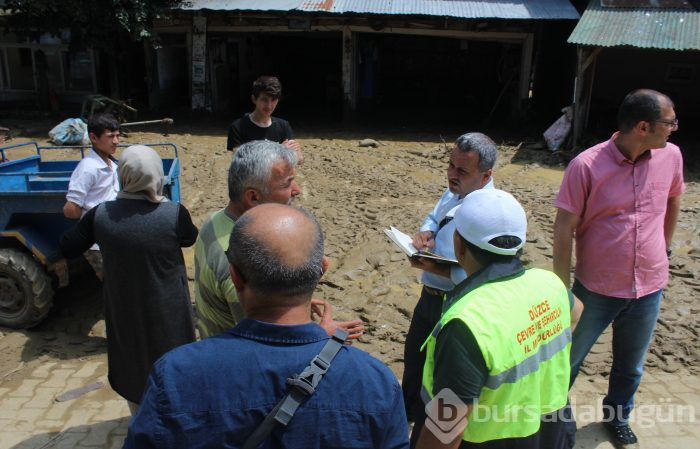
260,124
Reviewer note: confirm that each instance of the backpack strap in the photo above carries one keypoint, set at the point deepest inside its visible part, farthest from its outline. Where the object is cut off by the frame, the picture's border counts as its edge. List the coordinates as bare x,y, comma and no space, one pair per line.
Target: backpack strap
300,388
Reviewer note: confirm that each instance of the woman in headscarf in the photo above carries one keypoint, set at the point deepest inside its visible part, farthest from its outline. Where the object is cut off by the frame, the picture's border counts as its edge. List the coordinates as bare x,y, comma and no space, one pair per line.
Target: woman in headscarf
147,302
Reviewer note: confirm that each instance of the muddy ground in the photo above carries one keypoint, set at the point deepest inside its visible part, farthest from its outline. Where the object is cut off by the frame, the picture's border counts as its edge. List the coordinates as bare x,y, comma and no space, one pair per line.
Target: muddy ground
356,192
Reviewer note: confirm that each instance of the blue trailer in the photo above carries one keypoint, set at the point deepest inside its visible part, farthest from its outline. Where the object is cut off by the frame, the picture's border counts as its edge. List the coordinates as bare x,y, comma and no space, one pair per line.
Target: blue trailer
32,194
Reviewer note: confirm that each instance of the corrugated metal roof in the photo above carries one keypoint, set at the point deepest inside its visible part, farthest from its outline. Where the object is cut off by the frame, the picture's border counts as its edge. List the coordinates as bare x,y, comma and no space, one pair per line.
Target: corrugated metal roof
646,3
241,5
663,28
467,9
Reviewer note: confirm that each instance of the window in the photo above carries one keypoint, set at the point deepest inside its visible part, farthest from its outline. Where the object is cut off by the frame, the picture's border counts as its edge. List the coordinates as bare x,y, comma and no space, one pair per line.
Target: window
47,67
78,70
3,70
21,73
172,39
680,73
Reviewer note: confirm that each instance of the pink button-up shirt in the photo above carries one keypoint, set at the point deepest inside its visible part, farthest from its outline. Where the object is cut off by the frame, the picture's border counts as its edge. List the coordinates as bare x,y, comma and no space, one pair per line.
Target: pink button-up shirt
621,205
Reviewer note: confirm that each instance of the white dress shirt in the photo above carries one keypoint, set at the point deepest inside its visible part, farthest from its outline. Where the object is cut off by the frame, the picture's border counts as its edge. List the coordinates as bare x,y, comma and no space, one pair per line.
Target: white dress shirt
93,182
439,221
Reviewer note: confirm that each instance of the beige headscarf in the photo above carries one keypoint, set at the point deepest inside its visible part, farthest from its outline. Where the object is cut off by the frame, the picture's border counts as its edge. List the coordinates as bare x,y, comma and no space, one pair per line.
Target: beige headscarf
141,174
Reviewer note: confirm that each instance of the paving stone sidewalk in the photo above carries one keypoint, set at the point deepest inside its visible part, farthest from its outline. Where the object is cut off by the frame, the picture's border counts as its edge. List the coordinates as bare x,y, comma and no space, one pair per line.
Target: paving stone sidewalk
31,418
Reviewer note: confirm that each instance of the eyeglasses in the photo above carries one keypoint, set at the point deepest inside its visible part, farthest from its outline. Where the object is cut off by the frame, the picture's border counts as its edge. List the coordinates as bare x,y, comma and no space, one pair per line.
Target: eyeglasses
672,124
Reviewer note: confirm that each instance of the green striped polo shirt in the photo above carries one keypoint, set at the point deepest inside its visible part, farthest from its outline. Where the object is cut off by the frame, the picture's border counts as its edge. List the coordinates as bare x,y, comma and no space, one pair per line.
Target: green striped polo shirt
216,302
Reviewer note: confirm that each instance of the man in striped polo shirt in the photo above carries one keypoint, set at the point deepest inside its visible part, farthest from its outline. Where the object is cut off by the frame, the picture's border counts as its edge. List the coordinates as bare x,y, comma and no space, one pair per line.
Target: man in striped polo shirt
260,172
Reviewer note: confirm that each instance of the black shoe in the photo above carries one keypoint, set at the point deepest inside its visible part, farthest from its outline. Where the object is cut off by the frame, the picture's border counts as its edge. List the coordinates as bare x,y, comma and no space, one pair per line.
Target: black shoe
622,436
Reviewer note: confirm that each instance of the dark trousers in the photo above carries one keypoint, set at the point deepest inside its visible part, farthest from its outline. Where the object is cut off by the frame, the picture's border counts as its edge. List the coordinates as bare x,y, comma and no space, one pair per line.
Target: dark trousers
557,431
425,316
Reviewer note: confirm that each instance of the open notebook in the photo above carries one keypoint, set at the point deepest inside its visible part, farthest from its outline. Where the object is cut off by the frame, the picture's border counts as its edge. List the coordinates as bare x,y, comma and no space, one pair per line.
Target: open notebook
405,242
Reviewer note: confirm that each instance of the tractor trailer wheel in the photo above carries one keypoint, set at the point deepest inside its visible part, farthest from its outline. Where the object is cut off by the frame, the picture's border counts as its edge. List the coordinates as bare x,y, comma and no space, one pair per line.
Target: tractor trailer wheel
25,290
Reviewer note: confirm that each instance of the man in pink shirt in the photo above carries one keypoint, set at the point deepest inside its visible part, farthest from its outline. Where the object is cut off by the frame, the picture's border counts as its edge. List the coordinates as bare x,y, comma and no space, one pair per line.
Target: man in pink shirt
621,200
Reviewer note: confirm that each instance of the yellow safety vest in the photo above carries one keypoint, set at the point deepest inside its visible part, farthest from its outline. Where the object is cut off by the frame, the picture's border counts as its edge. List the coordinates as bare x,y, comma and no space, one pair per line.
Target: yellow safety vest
523,327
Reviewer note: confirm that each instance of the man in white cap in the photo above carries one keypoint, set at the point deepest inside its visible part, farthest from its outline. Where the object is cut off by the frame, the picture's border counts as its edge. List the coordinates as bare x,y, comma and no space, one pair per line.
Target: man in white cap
499,356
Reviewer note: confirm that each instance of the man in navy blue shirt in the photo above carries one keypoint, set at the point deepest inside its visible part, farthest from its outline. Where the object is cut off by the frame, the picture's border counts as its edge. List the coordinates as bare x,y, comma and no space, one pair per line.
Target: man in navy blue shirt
216,392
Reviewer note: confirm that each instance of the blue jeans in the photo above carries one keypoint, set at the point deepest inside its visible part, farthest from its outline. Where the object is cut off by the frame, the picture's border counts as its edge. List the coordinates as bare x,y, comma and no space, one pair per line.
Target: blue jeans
633,322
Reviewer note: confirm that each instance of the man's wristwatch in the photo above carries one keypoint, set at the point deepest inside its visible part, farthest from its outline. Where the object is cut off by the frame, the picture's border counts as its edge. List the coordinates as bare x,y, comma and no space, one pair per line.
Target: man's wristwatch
668,252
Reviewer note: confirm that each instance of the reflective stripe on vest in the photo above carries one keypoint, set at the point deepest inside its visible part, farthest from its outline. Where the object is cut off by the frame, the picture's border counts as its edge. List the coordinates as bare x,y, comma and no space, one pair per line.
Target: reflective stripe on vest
522,327
531,364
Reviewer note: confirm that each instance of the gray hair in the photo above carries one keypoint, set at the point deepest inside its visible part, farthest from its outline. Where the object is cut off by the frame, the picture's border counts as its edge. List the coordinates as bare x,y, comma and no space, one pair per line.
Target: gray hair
262,268
481,143
251,166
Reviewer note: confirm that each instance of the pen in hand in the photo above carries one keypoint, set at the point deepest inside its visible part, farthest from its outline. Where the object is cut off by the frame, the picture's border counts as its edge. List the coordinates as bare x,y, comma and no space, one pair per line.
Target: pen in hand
423,240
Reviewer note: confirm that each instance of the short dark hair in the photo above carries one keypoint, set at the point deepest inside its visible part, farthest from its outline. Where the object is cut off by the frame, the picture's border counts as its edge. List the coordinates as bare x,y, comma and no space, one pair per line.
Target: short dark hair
98,123
268,84
262,268
485,257
641,105
482,144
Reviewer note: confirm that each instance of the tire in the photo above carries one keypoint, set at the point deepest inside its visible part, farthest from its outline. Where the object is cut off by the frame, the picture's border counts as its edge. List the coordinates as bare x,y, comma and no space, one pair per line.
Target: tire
25,290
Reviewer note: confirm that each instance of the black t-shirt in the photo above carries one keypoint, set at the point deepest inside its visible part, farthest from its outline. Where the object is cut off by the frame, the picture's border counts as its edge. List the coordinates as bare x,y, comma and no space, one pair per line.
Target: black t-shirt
463,369
244,130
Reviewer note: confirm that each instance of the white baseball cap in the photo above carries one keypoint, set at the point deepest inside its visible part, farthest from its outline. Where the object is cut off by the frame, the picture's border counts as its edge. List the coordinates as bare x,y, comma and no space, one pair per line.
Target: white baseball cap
489,213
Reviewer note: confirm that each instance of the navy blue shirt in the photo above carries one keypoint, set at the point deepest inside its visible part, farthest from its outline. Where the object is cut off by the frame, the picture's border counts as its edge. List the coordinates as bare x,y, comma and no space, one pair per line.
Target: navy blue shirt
215,392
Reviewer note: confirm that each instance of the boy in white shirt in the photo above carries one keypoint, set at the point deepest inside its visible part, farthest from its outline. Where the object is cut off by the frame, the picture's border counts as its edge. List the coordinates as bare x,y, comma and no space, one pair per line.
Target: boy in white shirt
95,180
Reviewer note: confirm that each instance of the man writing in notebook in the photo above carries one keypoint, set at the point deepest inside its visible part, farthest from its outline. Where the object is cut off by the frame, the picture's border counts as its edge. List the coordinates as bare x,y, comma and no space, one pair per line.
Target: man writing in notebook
472,159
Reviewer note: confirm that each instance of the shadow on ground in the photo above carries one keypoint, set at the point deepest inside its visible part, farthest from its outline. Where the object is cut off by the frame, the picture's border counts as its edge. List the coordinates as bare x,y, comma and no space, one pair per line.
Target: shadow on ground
591,436
107,434
74,327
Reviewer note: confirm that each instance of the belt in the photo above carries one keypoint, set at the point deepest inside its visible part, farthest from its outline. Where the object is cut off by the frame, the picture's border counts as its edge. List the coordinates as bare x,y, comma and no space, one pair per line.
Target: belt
433,291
